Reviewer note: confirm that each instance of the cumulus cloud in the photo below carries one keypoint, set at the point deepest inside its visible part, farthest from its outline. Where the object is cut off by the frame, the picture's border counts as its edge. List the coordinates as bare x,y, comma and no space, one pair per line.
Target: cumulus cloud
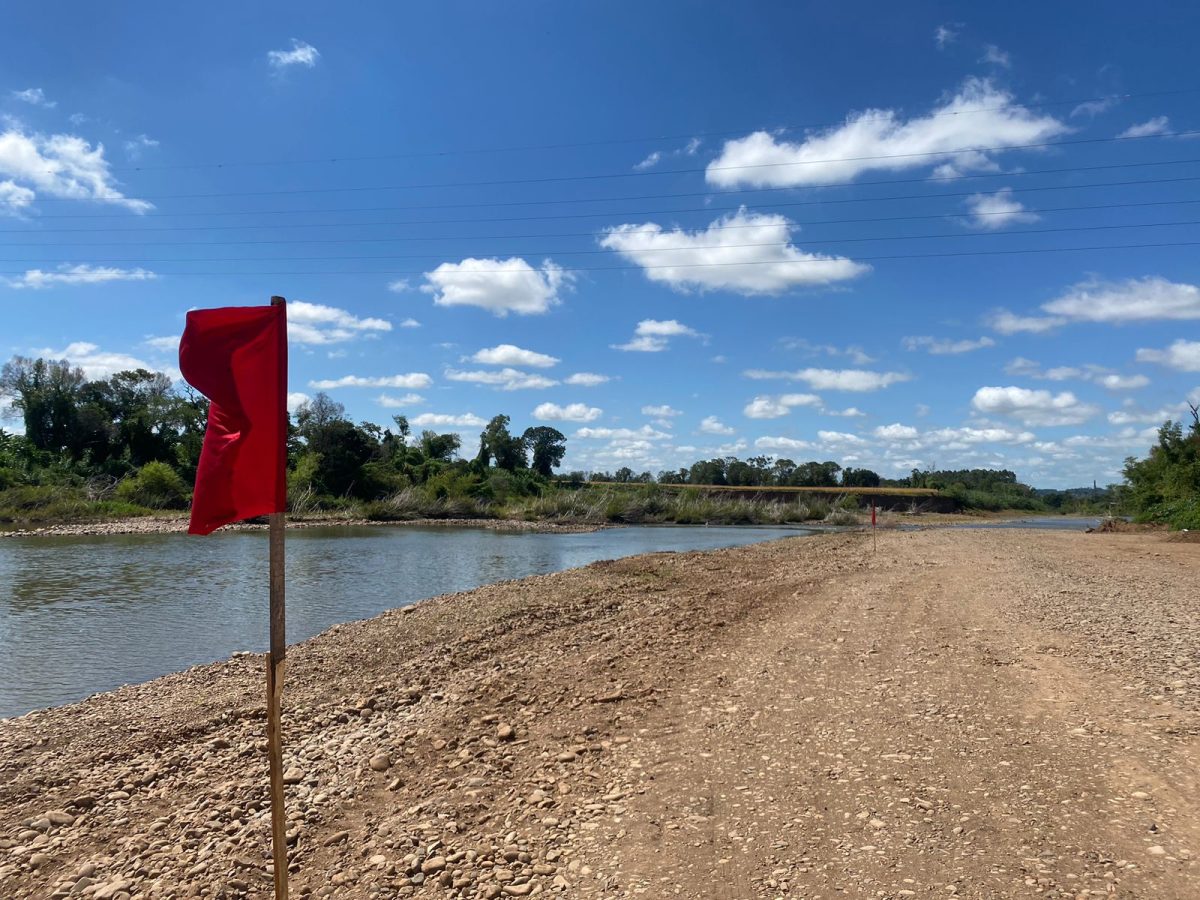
586,379
164,343
766,407
388,401
713,425
896,432
1149,128
781,443
315,323
945,35
443,420
413,380
34,97
296,399
512,355
835,379
995,210
572,412
58,165
945,346
1182,355
850,412
506,379
744,252
994,56
501,286
38,279
1147,299
661,412
653,335
301,54
97,363
645,433
1101,375
1033,407
857,355
410,323
880,140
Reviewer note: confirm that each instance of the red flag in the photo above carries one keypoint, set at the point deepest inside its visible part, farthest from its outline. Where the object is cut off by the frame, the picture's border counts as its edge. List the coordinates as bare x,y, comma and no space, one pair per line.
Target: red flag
237,357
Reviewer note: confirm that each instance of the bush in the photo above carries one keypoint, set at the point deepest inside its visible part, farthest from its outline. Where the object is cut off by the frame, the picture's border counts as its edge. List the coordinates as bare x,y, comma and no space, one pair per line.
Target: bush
157,486
56,503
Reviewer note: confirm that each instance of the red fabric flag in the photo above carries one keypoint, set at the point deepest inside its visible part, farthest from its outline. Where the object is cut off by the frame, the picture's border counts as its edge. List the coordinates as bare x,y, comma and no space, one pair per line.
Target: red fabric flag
237,357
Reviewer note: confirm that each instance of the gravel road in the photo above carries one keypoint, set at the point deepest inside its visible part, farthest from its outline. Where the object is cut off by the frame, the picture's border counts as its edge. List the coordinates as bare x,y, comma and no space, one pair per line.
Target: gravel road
963,713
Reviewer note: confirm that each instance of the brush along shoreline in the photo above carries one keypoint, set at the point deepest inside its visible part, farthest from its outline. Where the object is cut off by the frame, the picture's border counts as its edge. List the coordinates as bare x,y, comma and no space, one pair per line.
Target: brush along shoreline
1000,713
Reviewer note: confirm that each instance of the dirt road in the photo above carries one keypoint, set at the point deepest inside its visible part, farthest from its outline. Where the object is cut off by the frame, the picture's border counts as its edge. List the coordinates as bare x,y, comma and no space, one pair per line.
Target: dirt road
964,713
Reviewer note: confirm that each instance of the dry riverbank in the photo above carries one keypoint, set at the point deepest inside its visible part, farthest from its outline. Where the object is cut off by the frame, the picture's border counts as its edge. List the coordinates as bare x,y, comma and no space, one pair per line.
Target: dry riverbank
970,713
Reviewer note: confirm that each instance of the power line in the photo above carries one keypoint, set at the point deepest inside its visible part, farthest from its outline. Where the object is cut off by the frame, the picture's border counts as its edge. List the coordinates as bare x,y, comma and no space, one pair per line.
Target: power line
636,140
604,214
570,200
610,175
565,234
606,250
772,262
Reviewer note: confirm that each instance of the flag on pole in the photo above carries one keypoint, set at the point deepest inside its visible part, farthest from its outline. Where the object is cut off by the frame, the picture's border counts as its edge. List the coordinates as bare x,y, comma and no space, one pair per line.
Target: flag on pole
237,357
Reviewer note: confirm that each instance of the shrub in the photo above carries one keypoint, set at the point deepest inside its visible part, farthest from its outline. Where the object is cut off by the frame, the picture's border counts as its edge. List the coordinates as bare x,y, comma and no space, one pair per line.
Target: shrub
156,485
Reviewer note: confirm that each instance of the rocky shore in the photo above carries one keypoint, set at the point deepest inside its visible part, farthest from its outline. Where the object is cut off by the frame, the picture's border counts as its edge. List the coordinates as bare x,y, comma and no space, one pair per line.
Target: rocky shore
975,714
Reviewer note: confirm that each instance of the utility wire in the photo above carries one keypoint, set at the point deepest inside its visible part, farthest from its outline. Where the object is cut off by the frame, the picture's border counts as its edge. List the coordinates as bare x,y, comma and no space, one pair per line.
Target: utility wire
571,200
772,262
634,140
554,179
603,214
565,234
590,251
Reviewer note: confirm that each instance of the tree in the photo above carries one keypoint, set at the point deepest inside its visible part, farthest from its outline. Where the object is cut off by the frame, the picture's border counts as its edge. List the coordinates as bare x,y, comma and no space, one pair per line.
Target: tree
1165,486
496,442
547,445
46,393
852,477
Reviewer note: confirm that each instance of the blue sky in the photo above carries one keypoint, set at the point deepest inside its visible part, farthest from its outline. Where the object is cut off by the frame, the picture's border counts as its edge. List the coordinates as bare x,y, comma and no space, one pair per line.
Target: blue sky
671,230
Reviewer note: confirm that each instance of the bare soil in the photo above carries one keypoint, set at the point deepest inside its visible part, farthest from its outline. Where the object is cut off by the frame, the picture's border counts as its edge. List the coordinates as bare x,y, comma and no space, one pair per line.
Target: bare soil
963,713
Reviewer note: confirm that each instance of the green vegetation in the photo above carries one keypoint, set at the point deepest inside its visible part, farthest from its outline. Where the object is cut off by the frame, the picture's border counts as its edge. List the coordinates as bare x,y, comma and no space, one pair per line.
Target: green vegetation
1165,486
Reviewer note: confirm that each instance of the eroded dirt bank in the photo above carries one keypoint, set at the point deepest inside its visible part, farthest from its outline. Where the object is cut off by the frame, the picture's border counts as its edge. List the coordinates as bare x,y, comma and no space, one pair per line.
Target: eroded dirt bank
973,713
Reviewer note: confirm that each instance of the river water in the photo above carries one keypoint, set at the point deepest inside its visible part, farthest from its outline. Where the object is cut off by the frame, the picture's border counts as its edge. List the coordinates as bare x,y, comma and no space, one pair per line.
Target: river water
90,613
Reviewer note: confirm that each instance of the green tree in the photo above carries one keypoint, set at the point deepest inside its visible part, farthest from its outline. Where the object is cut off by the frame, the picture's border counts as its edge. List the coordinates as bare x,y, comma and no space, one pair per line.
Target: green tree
46,394
496,443
547,446
1165,486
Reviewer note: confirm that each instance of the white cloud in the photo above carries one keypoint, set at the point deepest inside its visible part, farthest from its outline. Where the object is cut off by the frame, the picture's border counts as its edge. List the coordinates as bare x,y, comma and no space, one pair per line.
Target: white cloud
835,379
713,425
661,412
399,286
97,363
653,159
1033,407
572,412
649,162
301,54
990,211
993,55
387,401
444,419
879,139
1157,125
38,279
645,433
1182,355
850,412
839,437
1117,382
505,379
1007,322
1100,375
60,165
945,34
164,343
296,399
857,355
34,97
498,285
512,355
314,323
1093,108
765,407
896,432
135,147
1134,299
586,379
410,323
781,443
413,380
744,252
1132,414
653,335
945,346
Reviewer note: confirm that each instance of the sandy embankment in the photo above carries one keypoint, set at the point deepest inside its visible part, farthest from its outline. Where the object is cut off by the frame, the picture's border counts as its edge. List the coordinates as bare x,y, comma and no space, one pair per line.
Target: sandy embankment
980,714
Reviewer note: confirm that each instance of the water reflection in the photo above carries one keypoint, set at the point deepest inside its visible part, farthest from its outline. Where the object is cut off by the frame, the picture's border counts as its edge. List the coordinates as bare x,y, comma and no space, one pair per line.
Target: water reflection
86,614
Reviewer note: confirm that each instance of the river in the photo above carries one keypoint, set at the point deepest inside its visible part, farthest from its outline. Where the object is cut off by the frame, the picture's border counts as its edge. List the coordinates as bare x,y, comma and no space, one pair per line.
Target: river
85,614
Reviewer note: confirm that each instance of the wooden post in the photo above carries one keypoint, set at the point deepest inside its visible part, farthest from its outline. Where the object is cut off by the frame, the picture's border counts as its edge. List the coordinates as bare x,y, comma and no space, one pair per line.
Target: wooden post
275,666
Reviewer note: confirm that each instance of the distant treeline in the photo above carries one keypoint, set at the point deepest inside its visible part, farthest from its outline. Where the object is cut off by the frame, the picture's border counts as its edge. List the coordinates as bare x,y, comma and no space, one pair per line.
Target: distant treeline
131,442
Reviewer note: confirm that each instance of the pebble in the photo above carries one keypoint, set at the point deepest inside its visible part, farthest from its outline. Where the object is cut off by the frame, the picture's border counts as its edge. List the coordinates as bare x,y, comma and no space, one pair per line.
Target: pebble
381,762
